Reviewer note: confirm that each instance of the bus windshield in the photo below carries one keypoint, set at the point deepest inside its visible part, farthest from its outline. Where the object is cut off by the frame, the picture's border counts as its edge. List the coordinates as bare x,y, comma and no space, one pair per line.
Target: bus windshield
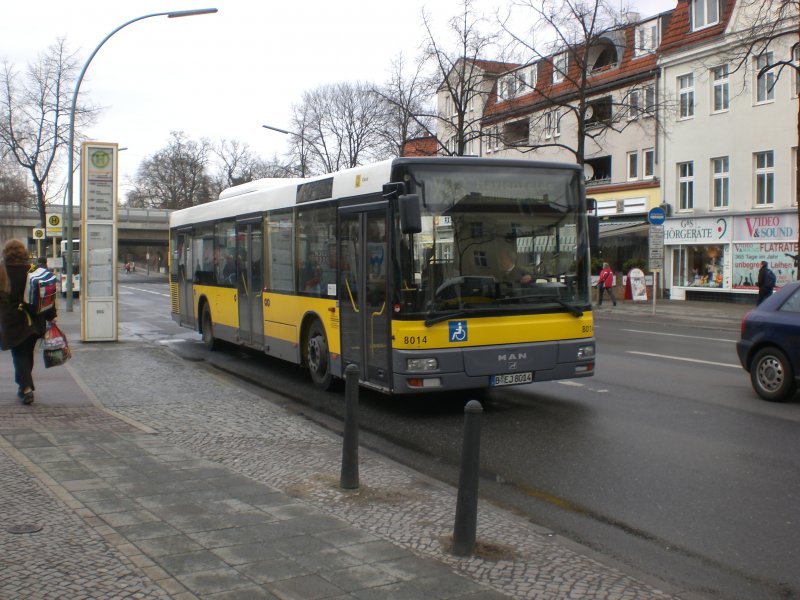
494,240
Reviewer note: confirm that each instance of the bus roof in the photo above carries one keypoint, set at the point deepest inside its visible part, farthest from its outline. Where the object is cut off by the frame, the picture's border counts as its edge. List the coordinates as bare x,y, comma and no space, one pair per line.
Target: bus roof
269,194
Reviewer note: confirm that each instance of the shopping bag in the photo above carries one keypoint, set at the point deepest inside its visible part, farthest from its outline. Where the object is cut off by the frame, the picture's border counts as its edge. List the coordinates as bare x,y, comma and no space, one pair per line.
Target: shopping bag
55,347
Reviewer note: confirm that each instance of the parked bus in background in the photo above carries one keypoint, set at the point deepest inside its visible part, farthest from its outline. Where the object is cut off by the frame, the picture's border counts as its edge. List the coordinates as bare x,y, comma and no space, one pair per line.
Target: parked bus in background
76,268
401,268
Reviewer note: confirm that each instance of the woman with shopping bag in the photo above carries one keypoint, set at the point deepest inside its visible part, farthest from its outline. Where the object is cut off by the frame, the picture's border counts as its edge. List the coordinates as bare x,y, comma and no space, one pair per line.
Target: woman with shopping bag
19,330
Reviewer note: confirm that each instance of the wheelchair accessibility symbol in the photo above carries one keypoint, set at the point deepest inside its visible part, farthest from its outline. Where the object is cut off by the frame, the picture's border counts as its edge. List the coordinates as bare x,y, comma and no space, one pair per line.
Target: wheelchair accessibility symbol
458,331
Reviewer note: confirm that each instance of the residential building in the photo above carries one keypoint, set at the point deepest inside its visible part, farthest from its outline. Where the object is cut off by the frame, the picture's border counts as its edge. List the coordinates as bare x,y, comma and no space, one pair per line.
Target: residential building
727,151
680,110
539,111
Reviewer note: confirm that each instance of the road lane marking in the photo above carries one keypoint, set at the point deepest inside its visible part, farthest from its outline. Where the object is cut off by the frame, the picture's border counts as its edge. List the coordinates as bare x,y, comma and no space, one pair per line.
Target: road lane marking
145,291
693,337
683,358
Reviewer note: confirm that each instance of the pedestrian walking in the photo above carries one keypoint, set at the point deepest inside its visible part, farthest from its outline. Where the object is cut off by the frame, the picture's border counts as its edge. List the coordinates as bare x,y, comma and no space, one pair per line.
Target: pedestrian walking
765,282
19,330
605,283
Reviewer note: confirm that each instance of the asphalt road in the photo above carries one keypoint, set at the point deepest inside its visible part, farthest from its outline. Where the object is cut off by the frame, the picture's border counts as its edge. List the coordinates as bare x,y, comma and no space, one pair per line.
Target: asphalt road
665,462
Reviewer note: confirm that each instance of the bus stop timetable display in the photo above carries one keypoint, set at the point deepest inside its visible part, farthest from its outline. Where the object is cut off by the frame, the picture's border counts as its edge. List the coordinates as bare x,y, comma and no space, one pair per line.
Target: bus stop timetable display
100,185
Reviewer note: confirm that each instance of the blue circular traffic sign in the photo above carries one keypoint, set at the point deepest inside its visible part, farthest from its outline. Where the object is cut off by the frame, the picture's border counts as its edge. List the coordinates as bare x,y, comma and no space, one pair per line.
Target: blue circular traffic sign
656,216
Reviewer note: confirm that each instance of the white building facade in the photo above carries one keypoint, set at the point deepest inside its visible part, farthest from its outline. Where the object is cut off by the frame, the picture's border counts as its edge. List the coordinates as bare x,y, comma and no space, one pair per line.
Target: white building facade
710,133
727,154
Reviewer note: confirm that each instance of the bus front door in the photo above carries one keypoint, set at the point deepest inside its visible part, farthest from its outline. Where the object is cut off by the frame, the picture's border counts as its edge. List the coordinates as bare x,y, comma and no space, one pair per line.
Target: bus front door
363,292
249,283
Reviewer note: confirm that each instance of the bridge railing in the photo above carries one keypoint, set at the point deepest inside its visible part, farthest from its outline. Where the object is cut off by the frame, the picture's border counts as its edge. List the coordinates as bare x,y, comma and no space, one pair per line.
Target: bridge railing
19,214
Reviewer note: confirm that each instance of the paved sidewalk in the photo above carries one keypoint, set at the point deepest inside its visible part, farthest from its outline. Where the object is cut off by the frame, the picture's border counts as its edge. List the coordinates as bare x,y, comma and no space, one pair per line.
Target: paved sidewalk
673,312
146,476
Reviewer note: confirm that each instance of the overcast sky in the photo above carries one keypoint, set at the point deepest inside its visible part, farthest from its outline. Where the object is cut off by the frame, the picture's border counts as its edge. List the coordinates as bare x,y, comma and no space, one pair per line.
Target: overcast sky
222,75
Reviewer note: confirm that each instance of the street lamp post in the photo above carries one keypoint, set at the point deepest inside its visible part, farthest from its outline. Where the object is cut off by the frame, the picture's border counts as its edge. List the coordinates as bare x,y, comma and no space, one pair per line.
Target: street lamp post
171,15
303,141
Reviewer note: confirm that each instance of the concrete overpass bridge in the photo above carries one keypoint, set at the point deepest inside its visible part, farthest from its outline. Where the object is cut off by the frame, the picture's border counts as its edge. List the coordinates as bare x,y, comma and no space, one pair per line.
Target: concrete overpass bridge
140,231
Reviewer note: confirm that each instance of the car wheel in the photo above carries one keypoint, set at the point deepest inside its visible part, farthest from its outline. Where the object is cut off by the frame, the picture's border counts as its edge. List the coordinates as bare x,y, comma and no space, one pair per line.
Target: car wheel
209,340
317,356
771,375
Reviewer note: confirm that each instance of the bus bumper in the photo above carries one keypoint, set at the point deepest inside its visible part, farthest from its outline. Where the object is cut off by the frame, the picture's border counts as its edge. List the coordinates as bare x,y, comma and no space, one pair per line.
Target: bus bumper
493,366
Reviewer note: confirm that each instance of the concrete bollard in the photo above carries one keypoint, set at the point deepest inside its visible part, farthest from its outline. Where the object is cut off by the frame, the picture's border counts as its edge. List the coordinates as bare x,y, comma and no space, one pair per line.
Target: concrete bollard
349,476
467,503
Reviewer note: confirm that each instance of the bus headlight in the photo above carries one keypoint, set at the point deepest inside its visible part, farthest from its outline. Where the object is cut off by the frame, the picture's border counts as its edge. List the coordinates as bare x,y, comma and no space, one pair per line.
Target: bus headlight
416,365
585,352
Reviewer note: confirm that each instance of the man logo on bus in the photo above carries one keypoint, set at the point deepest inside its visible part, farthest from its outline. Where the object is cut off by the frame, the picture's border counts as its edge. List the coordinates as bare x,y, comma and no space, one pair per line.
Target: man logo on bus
458,331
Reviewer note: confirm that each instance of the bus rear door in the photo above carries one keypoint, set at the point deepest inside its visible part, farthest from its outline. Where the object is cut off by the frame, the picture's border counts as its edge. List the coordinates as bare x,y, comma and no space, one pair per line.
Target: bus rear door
183,252
363,291
249,286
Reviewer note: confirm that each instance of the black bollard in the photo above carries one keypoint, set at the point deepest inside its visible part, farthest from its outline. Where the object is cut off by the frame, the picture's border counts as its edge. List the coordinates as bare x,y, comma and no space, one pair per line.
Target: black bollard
349,476
467,502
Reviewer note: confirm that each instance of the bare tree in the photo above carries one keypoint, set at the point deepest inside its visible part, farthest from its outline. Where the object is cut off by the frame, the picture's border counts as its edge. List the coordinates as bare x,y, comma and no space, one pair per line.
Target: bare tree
464,77
175,176
337,126
572,43
34,117
404,96
13,190
237,164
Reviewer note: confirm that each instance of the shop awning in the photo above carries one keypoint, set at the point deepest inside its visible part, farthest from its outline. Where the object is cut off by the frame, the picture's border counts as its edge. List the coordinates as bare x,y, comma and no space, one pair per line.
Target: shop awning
617,228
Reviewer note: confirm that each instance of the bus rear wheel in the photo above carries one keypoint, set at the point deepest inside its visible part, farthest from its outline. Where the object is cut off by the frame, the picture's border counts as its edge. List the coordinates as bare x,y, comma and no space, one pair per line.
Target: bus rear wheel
317,356
209,340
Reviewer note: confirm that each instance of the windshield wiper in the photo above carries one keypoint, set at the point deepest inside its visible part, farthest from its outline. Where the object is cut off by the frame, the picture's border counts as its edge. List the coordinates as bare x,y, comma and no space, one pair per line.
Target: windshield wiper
574,310
444,317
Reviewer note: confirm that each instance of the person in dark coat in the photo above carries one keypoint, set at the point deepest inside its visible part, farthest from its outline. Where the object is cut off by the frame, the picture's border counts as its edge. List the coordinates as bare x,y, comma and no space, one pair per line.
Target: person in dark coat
765,282
19,330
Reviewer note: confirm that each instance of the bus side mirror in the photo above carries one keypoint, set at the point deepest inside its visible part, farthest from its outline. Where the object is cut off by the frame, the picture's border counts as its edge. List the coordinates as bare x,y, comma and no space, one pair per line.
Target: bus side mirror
410,217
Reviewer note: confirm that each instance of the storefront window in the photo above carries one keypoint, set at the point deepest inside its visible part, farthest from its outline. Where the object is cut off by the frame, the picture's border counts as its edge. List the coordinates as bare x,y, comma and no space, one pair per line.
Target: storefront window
698,266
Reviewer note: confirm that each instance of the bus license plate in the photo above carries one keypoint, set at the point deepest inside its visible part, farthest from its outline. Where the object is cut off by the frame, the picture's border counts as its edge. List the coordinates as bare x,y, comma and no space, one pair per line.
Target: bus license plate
511,379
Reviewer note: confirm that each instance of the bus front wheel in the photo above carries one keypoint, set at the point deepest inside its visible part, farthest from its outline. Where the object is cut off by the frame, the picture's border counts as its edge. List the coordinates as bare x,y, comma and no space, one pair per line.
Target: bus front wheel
317,357
209,340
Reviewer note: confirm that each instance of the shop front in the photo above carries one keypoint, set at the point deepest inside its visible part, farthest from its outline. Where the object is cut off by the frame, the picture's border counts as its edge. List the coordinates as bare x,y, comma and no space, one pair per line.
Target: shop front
772,238
717,258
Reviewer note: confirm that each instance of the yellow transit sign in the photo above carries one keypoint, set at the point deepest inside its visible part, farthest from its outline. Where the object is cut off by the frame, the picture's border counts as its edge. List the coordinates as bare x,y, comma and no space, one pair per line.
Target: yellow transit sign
38,233
53,225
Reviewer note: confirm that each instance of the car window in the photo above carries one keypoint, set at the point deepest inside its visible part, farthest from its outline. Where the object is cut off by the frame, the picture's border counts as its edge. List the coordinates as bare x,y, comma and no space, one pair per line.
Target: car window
792,303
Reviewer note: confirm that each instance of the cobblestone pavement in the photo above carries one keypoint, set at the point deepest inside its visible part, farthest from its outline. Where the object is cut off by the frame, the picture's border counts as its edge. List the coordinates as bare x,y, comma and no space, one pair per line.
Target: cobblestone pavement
66,559
235,428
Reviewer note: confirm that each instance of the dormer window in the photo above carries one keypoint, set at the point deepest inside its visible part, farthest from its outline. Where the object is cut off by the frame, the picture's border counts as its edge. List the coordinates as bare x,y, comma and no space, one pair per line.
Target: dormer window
560,65
518,83
606,58
704,13
508,87
645,38
532,76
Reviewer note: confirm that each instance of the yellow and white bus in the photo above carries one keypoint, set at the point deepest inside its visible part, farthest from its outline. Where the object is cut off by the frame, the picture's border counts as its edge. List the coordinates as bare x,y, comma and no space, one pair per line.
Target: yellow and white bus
397,267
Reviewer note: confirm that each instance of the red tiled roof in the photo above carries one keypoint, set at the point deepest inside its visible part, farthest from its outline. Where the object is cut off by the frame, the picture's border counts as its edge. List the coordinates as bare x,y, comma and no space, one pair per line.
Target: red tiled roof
424,146
629,68
493,66
678,32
